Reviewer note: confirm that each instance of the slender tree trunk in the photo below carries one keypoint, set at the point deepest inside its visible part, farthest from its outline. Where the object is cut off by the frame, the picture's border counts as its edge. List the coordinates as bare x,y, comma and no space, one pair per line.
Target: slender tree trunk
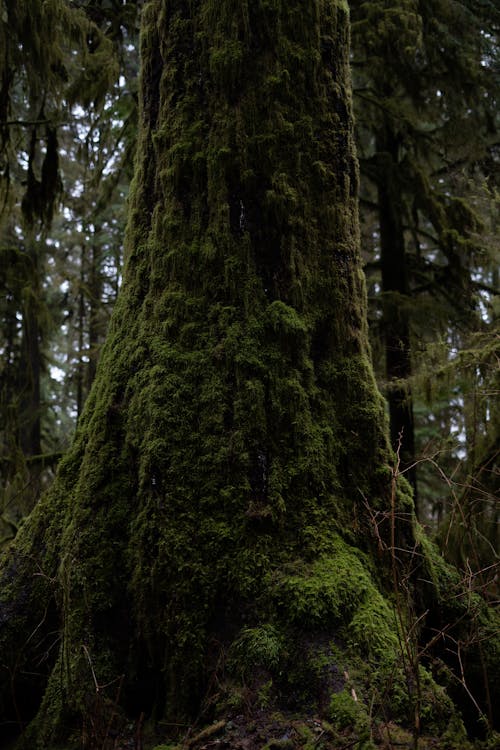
9,389
80,367
97,328
29,410
29,402
396,300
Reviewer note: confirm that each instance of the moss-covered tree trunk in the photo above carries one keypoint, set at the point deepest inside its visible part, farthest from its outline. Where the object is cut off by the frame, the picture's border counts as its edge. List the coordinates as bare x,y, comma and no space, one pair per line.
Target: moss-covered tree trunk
232,459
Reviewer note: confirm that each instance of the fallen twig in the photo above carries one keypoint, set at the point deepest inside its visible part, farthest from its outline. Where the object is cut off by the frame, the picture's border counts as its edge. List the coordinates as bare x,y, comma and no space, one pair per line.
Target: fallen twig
204,734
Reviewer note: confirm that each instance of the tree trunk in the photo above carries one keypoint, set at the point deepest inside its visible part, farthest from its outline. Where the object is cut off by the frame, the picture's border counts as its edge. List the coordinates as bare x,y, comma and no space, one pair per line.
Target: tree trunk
205,530
80,366
396,299
97,320
29,406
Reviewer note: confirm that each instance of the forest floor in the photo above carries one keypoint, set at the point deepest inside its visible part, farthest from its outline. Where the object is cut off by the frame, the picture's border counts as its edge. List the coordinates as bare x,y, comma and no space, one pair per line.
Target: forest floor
262,730
277,731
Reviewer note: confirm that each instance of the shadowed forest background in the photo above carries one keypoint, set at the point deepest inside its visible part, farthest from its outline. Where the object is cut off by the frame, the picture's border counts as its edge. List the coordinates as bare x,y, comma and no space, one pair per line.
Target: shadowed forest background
426,83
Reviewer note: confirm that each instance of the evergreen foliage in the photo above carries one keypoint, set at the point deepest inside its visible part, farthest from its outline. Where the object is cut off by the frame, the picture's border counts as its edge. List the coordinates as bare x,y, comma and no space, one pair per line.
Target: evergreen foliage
55,60
427,117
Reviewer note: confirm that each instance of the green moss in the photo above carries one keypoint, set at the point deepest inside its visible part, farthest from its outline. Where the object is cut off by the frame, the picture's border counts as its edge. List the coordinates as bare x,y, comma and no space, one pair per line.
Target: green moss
234,431
336,590
454,736
372,628
262,646
285,321
279,744
347,713
328,591
438,715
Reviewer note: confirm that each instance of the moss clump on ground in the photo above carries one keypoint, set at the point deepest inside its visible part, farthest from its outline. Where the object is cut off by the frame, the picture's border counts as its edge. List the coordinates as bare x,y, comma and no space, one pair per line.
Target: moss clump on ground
348,714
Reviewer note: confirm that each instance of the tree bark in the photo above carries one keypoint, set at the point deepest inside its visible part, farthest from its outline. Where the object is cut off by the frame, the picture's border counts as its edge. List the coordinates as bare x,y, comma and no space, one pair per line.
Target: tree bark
217,519
396,300
29,407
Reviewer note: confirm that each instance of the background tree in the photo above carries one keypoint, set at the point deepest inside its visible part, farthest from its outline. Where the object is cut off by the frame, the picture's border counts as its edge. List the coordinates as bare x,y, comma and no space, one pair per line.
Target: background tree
426,113
55,61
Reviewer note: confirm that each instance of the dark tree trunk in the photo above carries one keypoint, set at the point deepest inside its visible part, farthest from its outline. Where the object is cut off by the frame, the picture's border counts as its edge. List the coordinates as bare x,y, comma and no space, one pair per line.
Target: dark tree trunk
80,367
97,320
29,405
395,305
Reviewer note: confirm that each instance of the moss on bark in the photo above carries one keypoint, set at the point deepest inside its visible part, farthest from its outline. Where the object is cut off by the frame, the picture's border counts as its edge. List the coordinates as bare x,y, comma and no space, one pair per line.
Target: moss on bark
217,492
